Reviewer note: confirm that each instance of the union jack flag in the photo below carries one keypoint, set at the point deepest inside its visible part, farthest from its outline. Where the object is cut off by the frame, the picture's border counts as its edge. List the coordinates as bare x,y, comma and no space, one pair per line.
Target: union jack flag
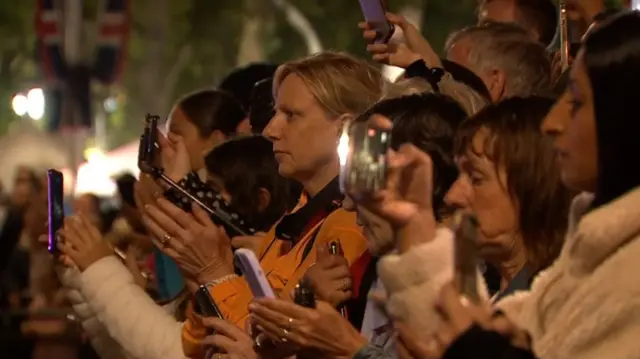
113,33
49,39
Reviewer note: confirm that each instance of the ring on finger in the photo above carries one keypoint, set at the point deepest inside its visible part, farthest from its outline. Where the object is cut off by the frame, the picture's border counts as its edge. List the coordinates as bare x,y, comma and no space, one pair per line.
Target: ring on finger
165,239
285,334
345,284
289,325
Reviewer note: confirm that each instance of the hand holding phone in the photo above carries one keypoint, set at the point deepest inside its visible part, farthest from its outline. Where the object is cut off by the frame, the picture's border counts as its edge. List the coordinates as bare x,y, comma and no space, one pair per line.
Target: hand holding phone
362,151
55,199
375,14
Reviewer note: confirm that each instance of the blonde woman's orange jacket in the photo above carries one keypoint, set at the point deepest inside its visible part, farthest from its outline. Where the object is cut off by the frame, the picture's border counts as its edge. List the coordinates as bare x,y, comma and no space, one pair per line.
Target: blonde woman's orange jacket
283,271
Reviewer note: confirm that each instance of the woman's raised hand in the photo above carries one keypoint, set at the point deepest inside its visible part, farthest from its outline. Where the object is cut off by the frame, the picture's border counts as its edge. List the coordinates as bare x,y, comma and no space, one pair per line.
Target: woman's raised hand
406,200
82,242
175,157
199,247
400,53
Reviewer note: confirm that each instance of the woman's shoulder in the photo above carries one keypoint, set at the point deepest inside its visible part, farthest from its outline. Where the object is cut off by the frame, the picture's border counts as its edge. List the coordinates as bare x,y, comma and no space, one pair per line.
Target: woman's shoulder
342,219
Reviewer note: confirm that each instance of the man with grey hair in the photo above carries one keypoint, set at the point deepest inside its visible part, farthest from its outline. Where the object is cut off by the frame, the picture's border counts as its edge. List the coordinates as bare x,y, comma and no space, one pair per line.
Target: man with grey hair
505,56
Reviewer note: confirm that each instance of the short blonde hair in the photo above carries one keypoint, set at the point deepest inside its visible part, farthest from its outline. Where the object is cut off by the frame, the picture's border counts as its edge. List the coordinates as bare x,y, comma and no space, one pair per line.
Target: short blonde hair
341,83
471,101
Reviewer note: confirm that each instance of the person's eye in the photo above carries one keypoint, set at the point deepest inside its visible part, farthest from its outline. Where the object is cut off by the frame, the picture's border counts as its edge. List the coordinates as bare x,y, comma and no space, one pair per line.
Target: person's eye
476,179
575,105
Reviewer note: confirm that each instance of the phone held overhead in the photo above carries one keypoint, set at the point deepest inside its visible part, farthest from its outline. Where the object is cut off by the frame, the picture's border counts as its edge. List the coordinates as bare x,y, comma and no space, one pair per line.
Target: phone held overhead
375,14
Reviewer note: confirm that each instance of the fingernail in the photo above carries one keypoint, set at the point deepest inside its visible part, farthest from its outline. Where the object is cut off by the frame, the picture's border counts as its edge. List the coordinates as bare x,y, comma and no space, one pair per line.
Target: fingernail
252,306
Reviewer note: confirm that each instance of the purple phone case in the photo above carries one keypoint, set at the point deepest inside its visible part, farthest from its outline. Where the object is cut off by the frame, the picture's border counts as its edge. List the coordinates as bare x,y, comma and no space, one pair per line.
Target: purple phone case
55,196
374,12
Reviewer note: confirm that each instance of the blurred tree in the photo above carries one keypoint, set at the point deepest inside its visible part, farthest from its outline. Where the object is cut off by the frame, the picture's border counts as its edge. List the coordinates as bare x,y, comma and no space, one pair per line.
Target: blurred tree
18,70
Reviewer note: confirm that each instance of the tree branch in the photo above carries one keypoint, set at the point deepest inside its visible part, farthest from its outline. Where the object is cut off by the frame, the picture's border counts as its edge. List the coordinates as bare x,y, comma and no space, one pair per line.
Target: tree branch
301,24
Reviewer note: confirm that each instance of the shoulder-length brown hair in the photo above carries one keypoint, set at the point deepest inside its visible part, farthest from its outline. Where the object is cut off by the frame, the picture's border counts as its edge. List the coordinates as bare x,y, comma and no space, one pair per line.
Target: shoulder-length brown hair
532,174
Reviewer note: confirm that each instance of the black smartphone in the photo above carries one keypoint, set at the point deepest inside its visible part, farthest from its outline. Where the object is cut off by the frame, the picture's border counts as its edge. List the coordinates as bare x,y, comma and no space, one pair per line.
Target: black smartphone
304,295
206,304
148,148
55,198
334,248
152,143
375,13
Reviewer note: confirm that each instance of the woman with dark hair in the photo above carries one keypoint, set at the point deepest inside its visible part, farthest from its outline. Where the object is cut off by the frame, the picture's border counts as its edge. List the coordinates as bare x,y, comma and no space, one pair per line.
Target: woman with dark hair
509,180
201,121
245,172
197,123
586,304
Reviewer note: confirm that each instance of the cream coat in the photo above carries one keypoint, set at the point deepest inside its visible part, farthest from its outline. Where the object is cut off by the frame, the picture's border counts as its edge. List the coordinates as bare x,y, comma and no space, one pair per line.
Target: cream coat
120,318
585,306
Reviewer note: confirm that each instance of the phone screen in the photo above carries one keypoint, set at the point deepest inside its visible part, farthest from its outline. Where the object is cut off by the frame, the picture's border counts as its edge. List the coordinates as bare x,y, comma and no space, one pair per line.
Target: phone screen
374,12
55,191
152,141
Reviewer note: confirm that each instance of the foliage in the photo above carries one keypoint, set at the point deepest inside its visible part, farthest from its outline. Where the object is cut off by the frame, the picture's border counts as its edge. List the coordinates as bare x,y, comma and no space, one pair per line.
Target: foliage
17,64
198,42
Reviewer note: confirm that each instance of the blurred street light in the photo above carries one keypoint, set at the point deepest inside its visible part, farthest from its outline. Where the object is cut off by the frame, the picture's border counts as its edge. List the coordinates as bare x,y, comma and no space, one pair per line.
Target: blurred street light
20,104
31,104
111,104
35,98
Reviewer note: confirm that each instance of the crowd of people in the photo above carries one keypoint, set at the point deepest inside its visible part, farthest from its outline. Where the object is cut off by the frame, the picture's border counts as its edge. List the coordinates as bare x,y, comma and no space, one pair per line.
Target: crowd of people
540,152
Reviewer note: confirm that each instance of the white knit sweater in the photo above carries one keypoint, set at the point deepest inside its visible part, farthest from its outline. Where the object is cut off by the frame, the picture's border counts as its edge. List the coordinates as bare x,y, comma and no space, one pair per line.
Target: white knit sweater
121,319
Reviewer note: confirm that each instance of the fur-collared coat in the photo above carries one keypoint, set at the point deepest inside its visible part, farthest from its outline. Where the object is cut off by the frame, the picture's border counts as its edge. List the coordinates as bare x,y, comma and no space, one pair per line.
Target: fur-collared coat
585,306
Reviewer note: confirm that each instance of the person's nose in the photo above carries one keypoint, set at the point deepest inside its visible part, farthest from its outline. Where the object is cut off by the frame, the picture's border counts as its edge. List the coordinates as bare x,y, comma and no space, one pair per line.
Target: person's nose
274,128
459,195
555,121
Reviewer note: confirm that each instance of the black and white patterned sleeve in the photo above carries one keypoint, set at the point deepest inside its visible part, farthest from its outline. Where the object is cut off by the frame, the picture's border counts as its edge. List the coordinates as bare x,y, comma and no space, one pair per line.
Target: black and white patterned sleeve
196,187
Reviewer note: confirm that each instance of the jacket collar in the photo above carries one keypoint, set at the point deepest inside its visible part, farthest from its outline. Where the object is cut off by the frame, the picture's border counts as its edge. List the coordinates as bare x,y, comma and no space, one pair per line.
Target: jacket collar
594,235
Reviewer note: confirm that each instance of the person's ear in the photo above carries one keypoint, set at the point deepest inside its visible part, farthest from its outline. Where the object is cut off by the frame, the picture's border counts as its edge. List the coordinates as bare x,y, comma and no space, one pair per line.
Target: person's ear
264,199
497,84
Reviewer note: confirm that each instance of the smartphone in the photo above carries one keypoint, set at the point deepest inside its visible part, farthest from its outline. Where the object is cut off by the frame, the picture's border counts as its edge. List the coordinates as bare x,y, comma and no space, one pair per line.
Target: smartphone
55,198
304,295
466,256
362,151
151,142
207,305
563,24
375,12
147,152
334,248
250,267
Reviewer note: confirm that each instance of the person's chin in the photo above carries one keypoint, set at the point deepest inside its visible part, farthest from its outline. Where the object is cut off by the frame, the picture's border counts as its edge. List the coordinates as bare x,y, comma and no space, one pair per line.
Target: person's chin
285,170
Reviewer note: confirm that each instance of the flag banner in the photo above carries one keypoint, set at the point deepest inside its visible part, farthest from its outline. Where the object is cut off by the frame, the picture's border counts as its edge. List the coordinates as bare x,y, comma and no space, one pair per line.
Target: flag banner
49,33
114,23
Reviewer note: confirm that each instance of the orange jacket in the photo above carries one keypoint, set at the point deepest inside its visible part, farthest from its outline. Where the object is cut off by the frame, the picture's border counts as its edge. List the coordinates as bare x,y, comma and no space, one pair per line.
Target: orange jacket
283,272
